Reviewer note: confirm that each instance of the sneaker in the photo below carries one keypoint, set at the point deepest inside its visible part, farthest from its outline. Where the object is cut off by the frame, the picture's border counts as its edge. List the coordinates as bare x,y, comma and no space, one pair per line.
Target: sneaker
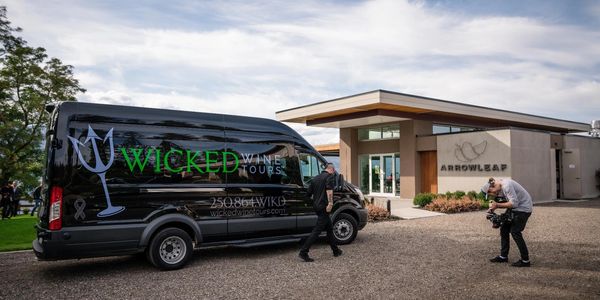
499,259
520,263
305,257
338,252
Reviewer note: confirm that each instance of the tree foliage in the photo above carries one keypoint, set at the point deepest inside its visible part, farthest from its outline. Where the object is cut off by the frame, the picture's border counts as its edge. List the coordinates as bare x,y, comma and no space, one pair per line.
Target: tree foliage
29,80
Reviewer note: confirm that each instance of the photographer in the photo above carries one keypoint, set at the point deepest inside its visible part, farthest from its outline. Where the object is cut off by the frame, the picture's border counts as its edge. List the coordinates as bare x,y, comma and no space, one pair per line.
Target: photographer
520,205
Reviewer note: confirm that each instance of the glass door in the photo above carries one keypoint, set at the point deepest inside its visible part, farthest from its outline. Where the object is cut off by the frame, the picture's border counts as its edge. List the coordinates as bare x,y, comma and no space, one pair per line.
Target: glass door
388,176
397,175
375,167
383,174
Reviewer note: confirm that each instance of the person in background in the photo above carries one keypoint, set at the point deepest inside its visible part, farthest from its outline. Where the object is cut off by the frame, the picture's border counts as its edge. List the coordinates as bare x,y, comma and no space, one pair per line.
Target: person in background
6,193
16,197
37,198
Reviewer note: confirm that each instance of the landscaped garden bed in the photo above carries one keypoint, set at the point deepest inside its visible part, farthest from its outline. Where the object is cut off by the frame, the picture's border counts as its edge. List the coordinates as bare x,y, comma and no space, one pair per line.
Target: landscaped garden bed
452,202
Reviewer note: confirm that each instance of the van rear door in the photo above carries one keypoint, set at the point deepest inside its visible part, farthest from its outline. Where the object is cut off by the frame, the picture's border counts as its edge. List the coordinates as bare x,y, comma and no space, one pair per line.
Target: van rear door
50,145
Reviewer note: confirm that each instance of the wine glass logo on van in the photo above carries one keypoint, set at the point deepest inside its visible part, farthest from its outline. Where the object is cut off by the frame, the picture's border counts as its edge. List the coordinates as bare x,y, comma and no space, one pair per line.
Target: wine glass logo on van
100,168
468,152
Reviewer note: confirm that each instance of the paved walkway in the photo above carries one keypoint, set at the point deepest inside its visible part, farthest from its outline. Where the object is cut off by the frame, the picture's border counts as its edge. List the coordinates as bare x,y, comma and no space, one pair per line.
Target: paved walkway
404,208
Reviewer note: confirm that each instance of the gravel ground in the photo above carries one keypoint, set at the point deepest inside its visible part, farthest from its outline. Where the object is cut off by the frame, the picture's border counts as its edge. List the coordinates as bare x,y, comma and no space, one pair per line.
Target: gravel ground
435,257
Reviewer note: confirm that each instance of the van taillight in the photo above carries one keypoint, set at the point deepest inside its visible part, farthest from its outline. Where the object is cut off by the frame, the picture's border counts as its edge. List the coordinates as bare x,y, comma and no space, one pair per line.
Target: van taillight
56,195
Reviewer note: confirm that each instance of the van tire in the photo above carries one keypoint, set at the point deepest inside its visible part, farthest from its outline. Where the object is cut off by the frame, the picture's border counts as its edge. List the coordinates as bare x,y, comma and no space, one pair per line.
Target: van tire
345,229
170,249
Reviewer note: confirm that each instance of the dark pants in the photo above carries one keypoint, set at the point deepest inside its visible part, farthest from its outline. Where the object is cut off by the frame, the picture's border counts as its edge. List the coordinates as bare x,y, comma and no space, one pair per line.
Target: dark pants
514,228
36,205
323,223
5,209
14,208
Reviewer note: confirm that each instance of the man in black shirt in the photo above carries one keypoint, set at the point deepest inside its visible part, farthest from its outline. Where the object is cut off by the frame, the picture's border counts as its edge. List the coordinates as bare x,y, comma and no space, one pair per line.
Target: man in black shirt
321,190
6,195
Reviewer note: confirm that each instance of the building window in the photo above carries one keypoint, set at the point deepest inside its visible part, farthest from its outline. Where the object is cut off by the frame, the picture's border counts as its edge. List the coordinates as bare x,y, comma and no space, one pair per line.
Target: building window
441,128
379,133
310,166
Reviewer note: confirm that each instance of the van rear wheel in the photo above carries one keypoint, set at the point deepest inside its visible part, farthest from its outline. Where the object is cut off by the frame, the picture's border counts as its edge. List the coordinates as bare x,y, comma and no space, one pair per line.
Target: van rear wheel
345,229
170,249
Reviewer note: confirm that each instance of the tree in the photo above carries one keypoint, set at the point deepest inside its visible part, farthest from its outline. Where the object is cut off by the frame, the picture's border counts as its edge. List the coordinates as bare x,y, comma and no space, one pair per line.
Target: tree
29,80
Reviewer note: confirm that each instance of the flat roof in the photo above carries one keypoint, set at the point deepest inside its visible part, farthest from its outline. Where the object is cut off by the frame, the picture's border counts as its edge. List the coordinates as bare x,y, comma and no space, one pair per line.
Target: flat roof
381,106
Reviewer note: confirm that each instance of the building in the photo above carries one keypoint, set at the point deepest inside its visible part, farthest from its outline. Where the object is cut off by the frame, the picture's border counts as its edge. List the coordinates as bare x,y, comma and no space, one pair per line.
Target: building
394,144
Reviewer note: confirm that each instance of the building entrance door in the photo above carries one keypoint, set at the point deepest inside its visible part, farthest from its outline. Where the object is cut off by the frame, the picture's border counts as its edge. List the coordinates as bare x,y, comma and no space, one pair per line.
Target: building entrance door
428,161
571,174
384,171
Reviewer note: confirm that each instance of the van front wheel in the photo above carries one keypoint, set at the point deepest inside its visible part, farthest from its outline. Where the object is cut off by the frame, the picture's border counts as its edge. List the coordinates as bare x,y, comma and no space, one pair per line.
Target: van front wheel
170,249
345,229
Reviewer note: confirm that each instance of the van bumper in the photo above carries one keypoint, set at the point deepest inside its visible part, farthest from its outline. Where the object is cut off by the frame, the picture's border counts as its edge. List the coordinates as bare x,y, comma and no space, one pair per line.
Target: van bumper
87,241
47,247
363,216
38,250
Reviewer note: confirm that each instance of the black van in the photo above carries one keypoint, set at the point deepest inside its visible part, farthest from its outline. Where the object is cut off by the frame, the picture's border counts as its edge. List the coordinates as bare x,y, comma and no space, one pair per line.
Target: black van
124,180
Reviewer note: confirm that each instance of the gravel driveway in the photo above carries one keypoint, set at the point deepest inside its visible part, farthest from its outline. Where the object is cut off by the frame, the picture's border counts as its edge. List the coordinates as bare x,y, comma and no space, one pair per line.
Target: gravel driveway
428,258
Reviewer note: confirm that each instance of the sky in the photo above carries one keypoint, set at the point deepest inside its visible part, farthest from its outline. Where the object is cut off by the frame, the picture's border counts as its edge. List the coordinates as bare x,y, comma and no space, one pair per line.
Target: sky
257,57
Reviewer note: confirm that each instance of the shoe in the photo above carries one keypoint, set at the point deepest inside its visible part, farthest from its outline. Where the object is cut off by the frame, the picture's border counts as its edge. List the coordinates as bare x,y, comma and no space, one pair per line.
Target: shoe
305,257
520,263
337,252
499,259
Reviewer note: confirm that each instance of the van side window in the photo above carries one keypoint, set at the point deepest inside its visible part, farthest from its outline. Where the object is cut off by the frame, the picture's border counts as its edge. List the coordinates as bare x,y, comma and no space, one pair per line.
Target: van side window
310,166
262,163
152,154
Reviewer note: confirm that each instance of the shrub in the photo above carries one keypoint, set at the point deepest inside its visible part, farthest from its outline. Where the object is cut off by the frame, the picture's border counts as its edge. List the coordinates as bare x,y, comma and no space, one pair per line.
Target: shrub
423,199
449,195
484,204
459,195
377,213
25,211
454,205
472,195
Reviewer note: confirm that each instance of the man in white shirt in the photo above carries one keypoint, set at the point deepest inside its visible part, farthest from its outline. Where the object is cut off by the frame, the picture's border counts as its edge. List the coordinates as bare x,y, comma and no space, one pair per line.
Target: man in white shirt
520,205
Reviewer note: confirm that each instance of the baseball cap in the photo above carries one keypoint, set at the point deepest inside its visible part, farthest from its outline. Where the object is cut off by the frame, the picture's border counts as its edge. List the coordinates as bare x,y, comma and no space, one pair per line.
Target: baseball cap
486,187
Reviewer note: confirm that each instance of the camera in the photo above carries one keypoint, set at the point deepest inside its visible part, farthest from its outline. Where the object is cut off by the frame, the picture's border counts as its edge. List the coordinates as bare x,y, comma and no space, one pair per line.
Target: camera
497,199
499,220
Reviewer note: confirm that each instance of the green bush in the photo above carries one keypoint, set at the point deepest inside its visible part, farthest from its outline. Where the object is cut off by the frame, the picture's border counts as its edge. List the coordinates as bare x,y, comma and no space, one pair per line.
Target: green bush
423,199
25,211
484,204
449,195
481,196
472,195
458,195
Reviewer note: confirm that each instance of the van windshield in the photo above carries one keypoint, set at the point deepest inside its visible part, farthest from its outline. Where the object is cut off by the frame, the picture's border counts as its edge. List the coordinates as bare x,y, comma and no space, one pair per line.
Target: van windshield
310,166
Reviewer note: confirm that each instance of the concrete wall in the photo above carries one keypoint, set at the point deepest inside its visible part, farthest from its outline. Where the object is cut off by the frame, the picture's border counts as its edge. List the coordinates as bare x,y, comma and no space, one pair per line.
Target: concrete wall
349,154
427,143
376,147
589,151
455,150
410,175
532,163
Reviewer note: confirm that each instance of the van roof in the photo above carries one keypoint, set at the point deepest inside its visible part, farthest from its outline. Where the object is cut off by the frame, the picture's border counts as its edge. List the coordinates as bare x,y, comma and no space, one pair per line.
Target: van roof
176,117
